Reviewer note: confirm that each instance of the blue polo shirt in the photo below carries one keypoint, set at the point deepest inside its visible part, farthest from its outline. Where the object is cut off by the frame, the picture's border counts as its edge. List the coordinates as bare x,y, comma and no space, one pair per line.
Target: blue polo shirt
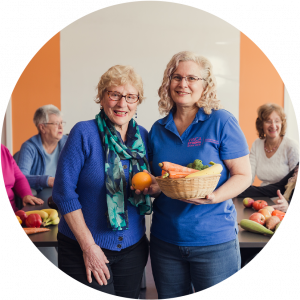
215,137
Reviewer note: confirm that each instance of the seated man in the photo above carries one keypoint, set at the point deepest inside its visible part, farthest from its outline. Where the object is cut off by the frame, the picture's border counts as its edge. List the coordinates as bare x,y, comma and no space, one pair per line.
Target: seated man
283,189
38,156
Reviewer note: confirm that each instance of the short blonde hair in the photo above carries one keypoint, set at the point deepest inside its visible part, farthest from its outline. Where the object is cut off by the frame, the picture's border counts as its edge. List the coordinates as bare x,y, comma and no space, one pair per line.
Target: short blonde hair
119,75
208,99
264,112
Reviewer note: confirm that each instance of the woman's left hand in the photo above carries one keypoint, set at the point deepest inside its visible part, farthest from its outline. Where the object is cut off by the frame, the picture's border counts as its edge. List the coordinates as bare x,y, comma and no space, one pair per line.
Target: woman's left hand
28,199
209,199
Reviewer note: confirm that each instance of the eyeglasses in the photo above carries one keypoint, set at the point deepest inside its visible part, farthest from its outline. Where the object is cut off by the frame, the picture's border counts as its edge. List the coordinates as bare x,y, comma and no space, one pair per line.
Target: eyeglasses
189,78
129,98
56,123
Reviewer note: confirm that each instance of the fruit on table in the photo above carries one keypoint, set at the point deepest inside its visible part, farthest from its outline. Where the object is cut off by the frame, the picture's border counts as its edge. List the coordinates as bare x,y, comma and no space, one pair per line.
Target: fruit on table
53,214
34,220
255,227
213,170
19,219
279,214
51,203
42,213
22,215
259,204
272,222
52,222
258,218
277,225
141,181
248,202
265,212
269,208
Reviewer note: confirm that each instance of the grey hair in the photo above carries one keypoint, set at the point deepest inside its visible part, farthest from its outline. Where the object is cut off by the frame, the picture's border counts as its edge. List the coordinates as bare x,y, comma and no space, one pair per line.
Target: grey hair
41,115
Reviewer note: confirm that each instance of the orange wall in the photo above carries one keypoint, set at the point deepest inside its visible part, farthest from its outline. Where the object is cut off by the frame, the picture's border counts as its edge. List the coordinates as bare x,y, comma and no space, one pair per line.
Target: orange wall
38,85
259,83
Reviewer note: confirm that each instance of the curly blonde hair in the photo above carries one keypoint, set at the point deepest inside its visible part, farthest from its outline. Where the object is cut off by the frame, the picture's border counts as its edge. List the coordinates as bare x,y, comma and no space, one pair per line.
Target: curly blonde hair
208,98
119,75
264,112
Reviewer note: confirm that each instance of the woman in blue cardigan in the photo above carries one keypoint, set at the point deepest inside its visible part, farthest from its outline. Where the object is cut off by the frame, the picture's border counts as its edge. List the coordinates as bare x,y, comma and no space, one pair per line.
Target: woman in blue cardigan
101,238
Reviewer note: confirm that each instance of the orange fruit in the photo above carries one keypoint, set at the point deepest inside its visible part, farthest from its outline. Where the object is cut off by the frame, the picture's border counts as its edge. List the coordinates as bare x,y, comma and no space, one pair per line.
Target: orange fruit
141,181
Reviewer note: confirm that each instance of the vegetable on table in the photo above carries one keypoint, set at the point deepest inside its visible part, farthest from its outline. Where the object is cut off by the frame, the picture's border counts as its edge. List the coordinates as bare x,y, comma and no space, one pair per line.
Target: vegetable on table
29,231
19,219
33,220
278,213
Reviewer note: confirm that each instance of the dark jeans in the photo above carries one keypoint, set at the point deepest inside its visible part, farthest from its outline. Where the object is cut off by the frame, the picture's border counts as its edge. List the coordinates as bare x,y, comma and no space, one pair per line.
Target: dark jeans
126,269
176,268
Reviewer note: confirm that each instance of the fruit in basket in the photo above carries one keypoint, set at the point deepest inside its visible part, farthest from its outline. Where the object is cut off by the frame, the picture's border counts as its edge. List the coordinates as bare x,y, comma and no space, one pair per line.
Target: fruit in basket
213,170
279,214
258,218
259,204
252,226
272,222
141,181
248,202
19,219
265,212
42,213
33,220
22,215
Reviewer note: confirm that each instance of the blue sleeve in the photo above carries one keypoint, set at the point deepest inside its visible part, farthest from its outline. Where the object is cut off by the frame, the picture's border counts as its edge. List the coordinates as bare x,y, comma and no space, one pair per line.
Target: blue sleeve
233,142
144,136
25,161
70,164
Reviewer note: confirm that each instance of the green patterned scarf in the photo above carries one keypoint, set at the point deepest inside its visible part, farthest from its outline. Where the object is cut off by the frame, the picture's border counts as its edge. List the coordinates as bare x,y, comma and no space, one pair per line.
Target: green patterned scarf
115,151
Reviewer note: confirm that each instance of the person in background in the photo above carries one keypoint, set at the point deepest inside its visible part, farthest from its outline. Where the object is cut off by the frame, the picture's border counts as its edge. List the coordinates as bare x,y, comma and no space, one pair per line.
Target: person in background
38,156
283,189
15,181
194,241
273,155
101,234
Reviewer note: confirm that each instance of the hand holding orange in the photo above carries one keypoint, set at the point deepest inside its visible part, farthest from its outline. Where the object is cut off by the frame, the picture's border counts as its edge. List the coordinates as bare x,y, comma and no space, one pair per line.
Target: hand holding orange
141,181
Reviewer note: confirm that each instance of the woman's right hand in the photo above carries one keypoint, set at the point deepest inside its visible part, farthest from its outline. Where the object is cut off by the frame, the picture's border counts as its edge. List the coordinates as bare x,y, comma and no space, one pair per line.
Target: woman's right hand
154,189
95,262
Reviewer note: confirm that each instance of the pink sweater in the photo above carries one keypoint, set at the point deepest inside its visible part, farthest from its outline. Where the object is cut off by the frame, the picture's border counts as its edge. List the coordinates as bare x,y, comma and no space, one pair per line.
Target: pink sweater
15,181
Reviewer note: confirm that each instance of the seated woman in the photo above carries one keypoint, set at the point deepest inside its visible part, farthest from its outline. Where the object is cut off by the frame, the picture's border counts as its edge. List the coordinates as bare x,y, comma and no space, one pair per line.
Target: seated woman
283,189
38,156
272,155
15,181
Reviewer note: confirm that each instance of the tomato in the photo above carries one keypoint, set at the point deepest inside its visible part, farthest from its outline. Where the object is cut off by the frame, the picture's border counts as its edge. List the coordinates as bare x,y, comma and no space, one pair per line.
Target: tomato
259,204
278,213
34,220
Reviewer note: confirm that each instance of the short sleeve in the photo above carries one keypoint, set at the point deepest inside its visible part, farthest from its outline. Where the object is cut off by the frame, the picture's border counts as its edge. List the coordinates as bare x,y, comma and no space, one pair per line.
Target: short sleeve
233,143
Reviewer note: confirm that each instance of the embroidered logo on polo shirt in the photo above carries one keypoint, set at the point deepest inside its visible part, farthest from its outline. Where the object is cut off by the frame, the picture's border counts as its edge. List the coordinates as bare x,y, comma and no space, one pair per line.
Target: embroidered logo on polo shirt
211,141
194,142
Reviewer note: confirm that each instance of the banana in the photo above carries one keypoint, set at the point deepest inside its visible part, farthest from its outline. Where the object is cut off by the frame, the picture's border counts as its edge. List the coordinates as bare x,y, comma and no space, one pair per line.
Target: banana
255,227
44,215
213,170
277,226
53,214
52,222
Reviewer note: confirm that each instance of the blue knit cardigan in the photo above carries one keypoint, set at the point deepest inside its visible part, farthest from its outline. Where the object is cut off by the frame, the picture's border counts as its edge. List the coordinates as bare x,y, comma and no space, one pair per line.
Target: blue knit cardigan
32,163
80,184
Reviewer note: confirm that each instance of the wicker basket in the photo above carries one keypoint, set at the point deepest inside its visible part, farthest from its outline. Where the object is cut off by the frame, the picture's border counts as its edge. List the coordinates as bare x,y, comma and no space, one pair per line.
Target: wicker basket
188,188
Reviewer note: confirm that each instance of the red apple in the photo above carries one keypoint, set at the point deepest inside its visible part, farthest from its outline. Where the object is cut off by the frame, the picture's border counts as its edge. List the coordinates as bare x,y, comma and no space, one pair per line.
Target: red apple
22,215
269,208
258,218
248,202
265,212
259,204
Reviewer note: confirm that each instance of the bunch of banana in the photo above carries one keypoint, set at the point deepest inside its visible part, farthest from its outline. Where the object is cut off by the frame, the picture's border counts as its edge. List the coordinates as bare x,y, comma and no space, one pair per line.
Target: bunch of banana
213,170
43,214
52,218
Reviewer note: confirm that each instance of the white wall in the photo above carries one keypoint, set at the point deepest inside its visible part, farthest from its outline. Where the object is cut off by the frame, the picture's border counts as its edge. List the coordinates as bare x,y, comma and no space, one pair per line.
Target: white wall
145,35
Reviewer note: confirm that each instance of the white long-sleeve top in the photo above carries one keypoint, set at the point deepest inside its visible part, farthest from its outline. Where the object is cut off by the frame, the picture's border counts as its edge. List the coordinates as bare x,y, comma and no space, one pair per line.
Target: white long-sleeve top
273,169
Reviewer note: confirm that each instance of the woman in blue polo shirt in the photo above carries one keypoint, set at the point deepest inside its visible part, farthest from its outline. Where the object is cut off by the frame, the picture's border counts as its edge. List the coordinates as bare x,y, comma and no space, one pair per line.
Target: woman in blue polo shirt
194,242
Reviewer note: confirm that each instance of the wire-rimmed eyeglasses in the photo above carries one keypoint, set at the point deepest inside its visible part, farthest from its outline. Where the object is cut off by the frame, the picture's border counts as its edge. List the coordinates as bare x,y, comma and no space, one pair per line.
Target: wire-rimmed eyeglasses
189,78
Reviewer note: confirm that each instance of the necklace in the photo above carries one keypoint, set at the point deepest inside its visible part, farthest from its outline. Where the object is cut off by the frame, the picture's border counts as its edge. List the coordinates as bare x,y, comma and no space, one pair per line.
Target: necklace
271,150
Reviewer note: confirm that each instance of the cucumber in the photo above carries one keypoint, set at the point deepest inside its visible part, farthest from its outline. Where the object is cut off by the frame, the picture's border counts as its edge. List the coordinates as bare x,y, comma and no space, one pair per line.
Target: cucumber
255,227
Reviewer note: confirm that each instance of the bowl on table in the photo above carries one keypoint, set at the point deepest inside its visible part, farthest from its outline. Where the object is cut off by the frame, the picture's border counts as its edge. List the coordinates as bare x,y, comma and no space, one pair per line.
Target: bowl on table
188,188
